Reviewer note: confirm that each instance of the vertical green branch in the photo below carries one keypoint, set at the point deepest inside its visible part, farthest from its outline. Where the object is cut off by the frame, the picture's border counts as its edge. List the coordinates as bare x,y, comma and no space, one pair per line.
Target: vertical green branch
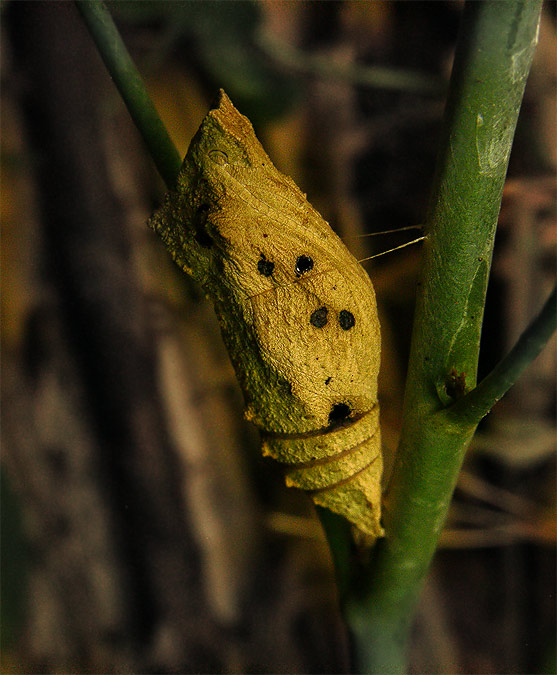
494,54
131,87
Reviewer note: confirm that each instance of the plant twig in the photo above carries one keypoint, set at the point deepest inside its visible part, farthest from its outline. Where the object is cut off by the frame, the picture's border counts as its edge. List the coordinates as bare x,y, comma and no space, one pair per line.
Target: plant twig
131,87
494,386
493,58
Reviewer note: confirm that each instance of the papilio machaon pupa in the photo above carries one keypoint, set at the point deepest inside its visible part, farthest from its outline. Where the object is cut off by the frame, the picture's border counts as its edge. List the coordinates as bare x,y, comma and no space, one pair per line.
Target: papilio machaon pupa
297,312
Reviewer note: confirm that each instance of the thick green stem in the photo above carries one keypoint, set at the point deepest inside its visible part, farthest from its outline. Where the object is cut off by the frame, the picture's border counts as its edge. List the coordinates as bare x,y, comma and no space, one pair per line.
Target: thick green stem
492,62
131,87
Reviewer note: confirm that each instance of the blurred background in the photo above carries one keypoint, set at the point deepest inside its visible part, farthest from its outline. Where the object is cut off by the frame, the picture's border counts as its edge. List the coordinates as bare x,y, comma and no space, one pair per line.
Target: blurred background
141,529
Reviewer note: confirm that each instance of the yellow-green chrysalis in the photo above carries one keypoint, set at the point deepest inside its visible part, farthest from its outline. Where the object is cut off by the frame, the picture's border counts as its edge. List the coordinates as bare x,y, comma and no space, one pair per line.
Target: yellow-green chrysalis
297,312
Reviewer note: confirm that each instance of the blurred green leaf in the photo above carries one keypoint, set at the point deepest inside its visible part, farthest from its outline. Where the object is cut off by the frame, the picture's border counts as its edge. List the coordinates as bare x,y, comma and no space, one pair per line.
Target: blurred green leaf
225,39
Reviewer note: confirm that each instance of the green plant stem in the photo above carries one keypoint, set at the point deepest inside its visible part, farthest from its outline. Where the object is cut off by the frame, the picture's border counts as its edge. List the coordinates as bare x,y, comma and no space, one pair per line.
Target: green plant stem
339,536
494,386
131,87
493,58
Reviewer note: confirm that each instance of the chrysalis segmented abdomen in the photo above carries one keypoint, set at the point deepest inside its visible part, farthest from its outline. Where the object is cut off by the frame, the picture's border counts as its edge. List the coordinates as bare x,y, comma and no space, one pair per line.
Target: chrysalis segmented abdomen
351,454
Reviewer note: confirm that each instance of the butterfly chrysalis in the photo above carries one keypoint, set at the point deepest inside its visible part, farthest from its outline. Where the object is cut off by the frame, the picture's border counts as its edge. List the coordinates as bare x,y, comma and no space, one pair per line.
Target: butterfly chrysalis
297,312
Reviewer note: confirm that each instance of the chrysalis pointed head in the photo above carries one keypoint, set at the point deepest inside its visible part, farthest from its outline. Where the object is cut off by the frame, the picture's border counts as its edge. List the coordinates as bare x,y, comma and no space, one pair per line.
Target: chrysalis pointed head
190,222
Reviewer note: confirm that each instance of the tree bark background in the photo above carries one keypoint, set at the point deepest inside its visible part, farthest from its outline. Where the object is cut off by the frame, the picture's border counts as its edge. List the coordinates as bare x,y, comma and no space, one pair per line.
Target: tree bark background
97,464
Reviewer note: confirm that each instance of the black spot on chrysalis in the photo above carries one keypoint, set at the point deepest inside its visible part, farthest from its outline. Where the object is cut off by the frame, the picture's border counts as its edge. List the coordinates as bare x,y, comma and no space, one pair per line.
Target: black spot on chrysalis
264,266
202,237
346,319
286,386
339,412
303,264
319,317
328,380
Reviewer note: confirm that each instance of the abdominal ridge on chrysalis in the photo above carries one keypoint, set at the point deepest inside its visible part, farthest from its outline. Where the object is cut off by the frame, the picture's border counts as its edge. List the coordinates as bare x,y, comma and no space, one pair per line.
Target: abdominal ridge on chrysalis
297,313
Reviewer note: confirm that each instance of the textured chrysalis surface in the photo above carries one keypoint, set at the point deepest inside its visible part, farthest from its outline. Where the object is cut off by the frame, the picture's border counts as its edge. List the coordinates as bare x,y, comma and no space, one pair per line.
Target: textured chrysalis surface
297,313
